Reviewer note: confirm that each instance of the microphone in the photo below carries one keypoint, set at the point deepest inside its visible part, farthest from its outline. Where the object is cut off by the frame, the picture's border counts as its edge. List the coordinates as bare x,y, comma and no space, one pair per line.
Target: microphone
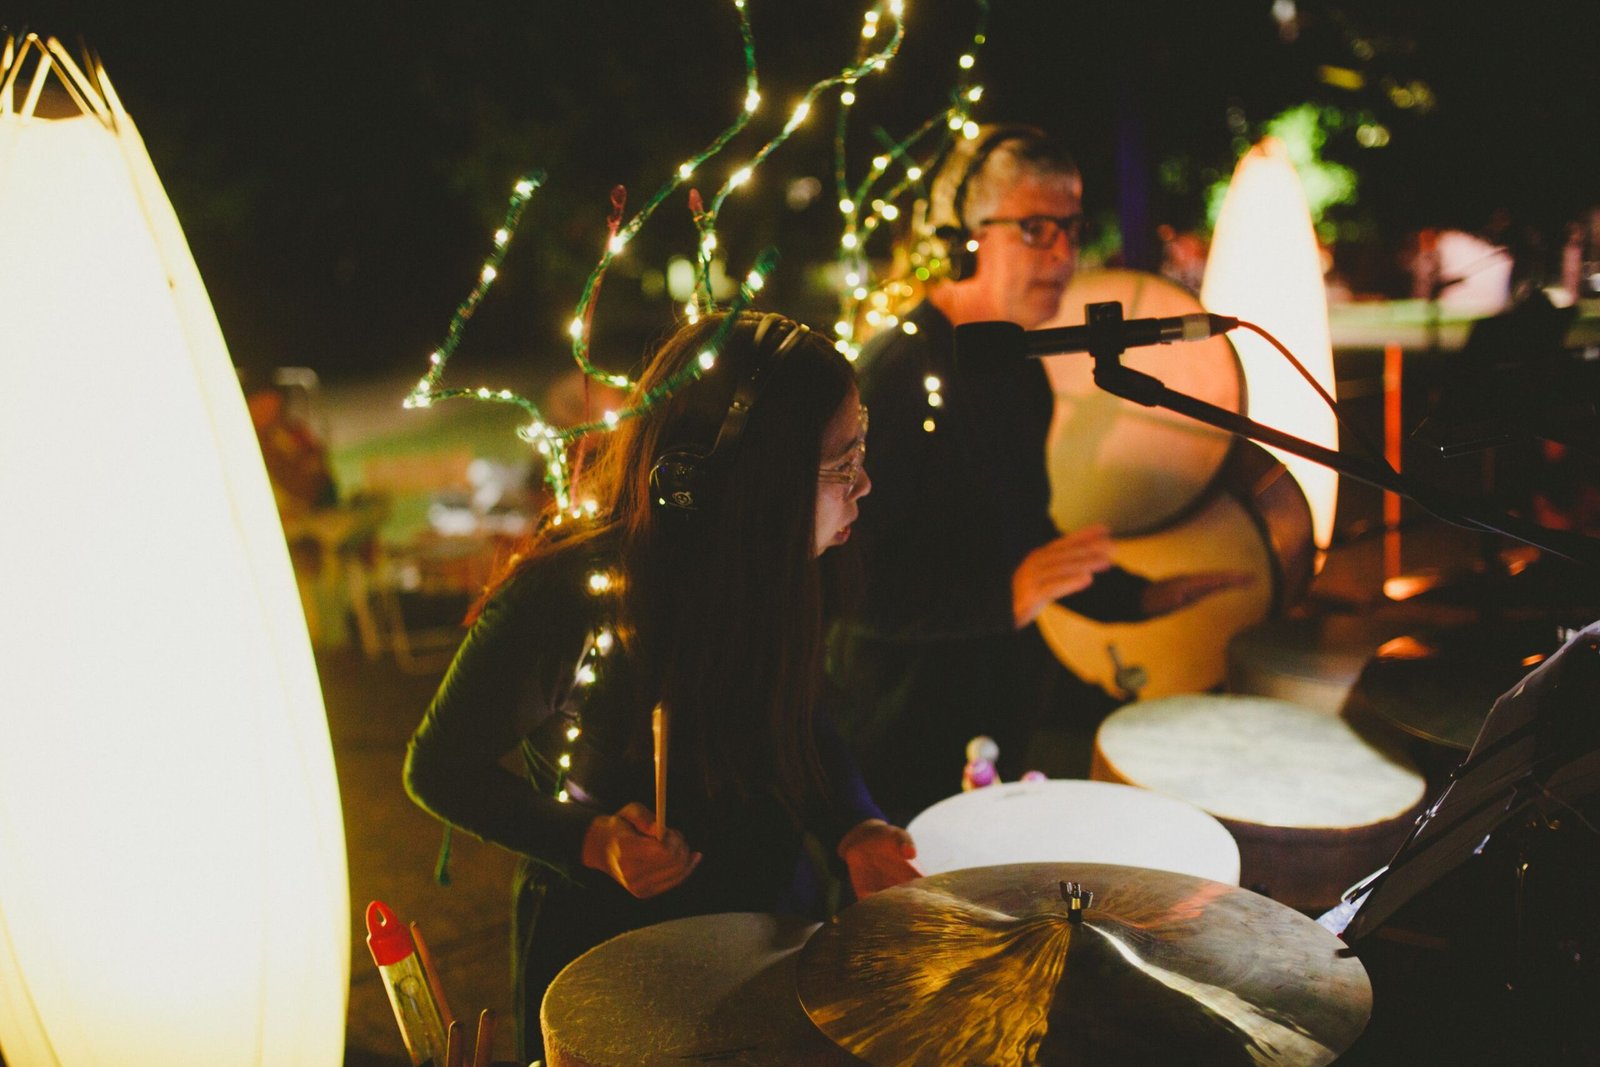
1008,339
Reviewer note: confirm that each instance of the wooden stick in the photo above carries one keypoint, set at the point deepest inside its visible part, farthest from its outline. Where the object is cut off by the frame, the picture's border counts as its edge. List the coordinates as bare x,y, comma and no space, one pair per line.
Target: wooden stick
455,1054
484,1049
426,959
659,725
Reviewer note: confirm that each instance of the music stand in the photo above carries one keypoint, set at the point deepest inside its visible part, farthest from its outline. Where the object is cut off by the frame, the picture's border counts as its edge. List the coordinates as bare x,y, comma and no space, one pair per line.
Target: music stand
1539,747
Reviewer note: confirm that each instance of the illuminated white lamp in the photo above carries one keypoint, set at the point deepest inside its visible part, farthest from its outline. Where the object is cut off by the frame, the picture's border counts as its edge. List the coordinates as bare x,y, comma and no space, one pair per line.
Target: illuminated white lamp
172,866
1265,267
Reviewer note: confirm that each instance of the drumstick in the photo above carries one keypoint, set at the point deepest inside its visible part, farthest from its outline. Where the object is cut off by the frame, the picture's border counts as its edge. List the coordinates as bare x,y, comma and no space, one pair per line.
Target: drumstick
426,959
485,1045
455,1054
659,726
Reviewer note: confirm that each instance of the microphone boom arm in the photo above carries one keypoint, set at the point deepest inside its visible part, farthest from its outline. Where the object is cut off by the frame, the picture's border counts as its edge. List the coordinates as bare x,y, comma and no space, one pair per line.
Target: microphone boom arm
1118,380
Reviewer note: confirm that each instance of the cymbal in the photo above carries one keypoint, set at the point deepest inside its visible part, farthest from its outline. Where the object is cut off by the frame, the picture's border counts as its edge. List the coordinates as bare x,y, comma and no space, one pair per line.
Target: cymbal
984,965
1439,685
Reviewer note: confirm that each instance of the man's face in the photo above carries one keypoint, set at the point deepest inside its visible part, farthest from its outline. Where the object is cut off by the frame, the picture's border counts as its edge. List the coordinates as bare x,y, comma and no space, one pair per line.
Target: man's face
1014,282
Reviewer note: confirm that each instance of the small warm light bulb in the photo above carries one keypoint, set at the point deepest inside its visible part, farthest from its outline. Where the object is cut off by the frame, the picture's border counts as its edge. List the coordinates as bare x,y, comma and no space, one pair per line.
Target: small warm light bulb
927,425
708,359
908,328
488,273
870,30
504,394
572,733
501,237
586,675
914,173
740,176
575,328
849,240
563,797
483,393
708,243
975,93
841,329
931,383
956,121
599,581
603,641
880,163
800,113
436,358
889,212
524,187
966,61
897,8
935,400
752,100
847,206
617,243
590,507
754,281
874,317
610,419
972,245
847,97
860,293
969,130
853,278
685,170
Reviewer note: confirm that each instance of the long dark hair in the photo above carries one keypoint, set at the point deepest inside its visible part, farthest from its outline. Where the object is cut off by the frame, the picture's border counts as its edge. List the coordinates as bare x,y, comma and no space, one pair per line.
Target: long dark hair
723,607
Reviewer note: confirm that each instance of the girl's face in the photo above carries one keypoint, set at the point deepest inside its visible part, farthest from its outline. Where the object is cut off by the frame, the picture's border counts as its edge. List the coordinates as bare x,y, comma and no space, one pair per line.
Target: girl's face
842,478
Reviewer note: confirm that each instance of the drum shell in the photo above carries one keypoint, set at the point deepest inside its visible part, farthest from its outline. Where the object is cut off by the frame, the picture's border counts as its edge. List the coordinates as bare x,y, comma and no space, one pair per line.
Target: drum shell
687,990
1257,522
1069,820
1313,805
1137,469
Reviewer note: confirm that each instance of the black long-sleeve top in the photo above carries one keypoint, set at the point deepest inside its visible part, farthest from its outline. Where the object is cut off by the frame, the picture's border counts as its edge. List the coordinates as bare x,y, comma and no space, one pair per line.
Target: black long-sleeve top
961,492
528,671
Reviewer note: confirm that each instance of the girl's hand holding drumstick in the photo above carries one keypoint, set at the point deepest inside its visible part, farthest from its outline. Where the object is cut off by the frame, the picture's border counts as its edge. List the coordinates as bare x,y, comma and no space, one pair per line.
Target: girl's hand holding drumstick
635,846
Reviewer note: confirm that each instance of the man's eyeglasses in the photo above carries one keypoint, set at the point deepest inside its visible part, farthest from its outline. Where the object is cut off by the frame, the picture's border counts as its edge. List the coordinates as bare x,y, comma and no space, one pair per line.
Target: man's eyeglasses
1041,231
849,472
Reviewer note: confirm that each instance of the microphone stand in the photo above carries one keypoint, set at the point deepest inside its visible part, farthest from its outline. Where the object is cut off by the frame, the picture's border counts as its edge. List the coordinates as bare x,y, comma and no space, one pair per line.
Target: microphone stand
1141,388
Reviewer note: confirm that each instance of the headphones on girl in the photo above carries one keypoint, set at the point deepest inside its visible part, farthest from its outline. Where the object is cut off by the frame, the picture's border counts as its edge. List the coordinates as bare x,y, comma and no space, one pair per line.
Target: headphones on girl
683,476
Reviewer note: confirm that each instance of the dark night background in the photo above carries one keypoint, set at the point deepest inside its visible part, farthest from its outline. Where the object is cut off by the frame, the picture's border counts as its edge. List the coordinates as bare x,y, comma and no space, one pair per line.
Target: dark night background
338,168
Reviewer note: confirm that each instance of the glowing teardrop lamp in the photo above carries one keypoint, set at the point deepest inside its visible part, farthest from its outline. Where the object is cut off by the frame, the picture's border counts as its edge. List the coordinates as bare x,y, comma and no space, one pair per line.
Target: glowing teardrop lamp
1265,267
172,864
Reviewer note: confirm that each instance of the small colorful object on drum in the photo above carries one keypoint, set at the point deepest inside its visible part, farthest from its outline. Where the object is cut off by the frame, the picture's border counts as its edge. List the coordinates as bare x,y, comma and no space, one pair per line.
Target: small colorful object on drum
982,754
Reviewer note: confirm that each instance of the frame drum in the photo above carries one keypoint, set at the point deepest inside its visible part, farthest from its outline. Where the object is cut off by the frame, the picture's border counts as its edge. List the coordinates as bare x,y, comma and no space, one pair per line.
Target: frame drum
1135,468
1065,820
1313,805
1259,524
707,989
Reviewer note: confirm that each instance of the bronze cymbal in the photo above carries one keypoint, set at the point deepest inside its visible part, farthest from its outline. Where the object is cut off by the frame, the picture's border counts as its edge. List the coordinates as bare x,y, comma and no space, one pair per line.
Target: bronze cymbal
984,965
1439,685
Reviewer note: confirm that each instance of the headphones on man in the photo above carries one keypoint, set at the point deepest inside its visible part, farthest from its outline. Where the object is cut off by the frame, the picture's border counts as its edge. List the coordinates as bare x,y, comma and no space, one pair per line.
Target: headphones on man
683,475
962,262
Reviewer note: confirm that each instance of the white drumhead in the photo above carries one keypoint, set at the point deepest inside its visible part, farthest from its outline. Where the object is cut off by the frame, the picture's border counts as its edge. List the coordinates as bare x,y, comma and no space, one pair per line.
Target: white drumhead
1258,760
1065,820
1132,467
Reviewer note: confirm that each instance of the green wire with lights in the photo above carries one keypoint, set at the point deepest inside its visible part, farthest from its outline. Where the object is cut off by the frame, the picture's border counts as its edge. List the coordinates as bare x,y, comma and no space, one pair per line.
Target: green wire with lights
551,442
912,161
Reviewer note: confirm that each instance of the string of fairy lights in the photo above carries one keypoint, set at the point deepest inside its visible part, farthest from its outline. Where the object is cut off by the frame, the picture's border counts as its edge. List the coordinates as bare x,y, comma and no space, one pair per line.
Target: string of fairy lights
899,168
552,442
